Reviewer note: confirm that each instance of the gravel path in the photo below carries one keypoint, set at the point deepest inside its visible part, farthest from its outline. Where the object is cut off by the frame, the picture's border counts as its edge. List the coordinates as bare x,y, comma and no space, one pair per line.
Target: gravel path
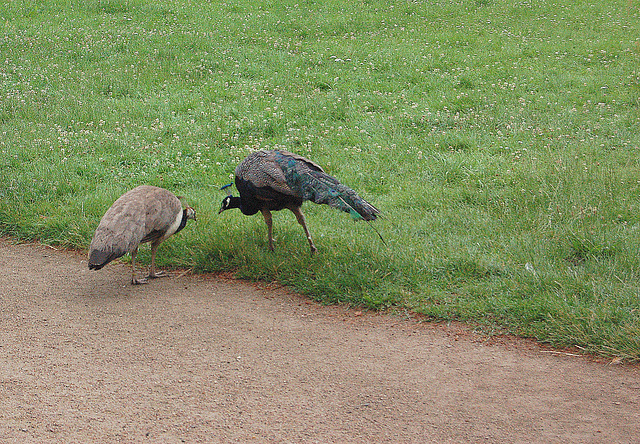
86,357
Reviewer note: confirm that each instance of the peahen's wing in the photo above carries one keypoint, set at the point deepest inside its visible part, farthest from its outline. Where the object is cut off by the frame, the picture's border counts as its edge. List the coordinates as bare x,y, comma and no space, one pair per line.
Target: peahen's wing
163,213
143,214
120,230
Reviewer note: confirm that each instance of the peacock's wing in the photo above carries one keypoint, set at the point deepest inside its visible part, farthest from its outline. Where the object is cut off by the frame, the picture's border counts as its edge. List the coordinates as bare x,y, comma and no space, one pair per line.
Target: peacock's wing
262,171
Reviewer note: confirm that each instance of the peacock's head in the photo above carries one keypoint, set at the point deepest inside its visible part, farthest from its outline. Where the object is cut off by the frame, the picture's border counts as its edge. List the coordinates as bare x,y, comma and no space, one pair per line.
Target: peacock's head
226,203
229,201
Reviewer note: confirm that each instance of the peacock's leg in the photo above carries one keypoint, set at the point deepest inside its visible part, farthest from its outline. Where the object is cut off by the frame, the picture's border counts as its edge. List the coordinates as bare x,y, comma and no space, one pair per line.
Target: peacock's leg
135,281
269,221
152,271
298,212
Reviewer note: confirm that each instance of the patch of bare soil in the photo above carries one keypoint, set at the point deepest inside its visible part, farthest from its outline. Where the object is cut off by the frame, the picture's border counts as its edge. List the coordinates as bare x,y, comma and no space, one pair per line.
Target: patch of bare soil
86,357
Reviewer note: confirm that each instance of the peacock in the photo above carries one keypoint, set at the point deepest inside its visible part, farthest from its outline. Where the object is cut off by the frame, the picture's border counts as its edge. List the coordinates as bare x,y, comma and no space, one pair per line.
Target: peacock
271,180
143,214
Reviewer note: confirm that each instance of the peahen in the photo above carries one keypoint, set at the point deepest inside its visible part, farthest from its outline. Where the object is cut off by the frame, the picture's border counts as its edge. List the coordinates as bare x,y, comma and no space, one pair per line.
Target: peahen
273,180
144,214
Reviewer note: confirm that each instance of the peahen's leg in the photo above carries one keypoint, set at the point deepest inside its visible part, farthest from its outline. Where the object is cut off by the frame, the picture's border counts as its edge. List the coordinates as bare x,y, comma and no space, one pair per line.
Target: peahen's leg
269,221
298,212
152,271
135,281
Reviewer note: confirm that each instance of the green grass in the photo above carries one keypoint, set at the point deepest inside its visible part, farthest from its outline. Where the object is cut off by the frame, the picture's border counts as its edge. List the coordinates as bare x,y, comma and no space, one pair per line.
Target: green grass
499,138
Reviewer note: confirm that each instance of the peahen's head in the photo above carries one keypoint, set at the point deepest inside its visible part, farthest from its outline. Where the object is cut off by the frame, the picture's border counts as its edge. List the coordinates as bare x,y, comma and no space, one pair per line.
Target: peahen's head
190,213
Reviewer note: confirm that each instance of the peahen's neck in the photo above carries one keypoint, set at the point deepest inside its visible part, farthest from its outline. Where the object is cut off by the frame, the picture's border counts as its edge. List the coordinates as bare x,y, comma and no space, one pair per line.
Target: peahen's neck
183,221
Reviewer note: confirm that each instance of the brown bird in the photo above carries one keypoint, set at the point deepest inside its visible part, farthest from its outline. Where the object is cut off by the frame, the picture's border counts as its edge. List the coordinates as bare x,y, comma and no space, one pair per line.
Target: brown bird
273,180
144,214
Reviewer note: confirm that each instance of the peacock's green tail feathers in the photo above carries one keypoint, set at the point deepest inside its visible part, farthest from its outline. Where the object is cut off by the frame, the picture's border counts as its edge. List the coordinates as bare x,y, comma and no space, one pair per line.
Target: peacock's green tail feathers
355,215
311,183
323,189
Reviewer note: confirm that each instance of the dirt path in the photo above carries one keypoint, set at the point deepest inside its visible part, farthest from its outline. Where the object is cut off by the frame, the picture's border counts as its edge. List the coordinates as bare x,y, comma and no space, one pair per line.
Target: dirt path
85,357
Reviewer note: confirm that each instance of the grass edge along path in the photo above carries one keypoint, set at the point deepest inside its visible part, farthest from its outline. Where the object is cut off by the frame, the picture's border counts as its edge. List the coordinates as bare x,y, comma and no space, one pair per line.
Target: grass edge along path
499,139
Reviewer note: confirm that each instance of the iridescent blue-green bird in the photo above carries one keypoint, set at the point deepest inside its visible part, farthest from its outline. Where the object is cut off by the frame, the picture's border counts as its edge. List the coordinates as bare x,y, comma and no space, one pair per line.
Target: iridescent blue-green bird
273,180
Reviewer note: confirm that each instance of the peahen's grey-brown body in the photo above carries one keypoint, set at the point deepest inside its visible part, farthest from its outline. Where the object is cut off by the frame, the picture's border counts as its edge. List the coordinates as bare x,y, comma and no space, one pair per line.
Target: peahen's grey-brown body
144,214
273,180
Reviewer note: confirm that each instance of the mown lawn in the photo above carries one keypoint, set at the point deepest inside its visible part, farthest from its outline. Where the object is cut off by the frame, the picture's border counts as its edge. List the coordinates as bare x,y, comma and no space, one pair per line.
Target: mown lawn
500,139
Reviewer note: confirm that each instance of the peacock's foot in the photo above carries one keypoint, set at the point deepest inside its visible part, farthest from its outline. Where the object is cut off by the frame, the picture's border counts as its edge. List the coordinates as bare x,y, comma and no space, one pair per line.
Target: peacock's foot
157,274
140,281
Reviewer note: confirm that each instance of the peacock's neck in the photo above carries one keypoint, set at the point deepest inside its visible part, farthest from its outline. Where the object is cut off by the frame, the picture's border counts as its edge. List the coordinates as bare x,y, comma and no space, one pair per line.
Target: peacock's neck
235,202
247,207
